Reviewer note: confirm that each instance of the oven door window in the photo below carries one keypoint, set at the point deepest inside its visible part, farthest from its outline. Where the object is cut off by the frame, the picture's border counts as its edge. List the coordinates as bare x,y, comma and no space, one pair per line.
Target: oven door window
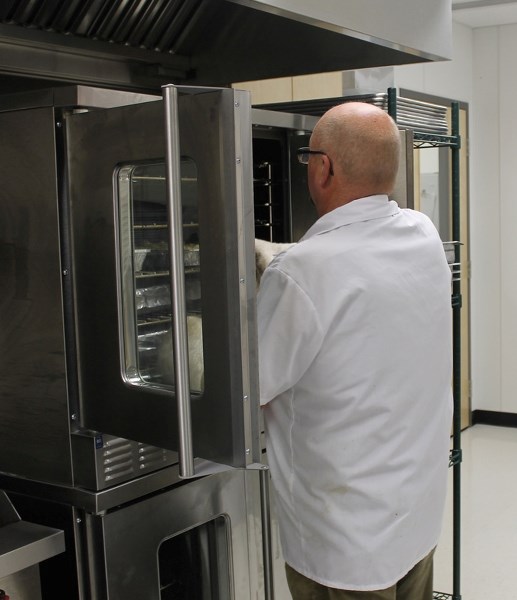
195,565
145,315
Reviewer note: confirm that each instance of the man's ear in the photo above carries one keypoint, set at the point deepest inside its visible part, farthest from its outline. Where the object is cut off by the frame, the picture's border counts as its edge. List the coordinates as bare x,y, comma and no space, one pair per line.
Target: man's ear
325,173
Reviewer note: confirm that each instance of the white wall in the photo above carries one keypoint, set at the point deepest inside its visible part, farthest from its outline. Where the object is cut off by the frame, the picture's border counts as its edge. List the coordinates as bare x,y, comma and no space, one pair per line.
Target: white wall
496,83
482,73
486,204
450,79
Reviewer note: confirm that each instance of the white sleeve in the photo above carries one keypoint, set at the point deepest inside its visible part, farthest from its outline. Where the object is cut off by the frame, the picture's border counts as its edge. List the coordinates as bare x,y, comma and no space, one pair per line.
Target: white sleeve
289,333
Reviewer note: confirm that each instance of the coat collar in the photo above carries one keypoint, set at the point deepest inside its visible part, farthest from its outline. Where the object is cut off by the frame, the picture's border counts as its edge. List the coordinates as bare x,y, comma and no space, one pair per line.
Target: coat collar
362,209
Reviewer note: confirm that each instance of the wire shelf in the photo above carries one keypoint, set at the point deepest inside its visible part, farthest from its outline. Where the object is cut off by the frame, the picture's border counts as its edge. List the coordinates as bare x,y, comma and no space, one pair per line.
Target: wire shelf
426,140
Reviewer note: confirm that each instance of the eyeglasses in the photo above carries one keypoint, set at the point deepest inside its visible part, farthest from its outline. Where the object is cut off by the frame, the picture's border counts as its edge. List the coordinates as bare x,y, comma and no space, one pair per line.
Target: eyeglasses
304,154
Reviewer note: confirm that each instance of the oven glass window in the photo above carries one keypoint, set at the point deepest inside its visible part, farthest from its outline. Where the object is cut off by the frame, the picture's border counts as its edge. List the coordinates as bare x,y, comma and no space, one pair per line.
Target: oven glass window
195,564
146,317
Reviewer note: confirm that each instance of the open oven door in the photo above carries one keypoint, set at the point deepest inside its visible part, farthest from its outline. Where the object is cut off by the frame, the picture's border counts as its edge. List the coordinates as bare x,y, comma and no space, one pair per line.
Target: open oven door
162,263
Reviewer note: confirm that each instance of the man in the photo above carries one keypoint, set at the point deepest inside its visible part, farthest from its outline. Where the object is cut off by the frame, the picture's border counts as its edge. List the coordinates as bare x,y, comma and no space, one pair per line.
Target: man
355,374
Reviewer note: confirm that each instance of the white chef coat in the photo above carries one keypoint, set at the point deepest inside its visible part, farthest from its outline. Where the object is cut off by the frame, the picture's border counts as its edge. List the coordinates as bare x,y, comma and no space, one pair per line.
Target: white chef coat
355,355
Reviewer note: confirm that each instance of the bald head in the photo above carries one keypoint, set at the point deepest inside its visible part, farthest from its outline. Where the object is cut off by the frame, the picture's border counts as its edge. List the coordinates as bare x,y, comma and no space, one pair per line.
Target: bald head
362,147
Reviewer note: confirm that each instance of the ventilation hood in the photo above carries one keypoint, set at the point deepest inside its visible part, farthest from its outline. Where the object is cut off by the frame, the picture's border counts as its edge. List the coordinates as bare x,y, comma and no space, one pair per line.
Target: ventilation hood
146,43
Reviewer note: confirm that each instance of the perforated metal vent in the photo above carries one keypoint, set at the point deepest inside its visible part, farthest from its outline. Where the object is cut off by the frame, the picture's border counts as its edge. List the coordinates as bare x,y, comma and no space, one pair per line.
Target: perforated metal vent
152,25
123,459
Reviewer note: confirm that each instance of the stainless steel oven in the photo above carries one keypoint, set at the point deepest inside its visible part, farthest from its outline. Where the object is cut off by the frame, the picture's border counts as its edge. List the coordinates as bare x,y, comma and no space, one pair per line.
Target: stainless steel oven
128,380
129,412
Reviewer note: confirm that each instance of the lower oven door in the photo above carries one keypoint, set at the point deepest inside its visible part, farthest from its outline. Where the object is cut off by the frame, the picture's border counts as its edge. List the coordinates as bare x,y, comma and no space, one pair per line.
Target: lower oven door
199,541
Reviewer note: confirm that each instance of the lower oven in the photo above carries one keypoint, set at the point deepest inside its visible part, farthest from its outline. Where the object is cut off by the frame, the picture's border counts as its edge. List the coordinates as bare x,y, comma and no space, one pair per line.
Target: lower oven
198,541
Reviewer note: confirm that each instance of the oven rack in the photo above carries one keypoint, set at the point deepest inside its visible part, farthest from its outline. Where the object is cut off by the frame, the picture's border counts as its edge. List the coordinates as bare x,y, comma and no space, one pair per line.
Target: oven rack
165,273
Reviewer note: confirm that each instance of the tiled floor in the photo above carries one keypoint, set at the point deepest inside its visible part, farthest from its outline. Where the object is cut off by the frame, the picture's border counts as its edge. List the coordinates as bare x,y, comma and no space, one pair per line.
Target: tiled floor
488,518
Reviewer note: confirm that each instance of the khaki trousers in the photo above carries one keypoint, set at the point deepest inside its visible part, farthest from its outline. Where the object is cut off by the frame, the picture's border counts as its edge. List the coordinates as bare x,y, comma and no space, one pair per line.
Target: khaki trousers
416,585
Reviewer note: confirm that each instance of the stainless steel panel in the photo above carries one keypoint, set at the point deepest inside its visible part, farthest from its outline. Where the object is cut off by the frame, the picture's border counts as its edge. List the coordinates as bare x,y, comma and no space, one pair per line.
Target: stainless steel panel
24,585
165,27
419,27
61,576
142,45
404,192
34,415
94,502
283,120
24,544
71,96
98,142
102,461
129,540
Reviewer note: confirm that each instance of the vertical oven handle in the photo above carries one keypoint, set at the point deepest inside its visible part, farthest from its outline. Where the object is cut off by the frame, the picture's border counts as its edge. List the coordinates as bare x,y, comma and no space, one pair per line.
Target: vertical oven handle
177,273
